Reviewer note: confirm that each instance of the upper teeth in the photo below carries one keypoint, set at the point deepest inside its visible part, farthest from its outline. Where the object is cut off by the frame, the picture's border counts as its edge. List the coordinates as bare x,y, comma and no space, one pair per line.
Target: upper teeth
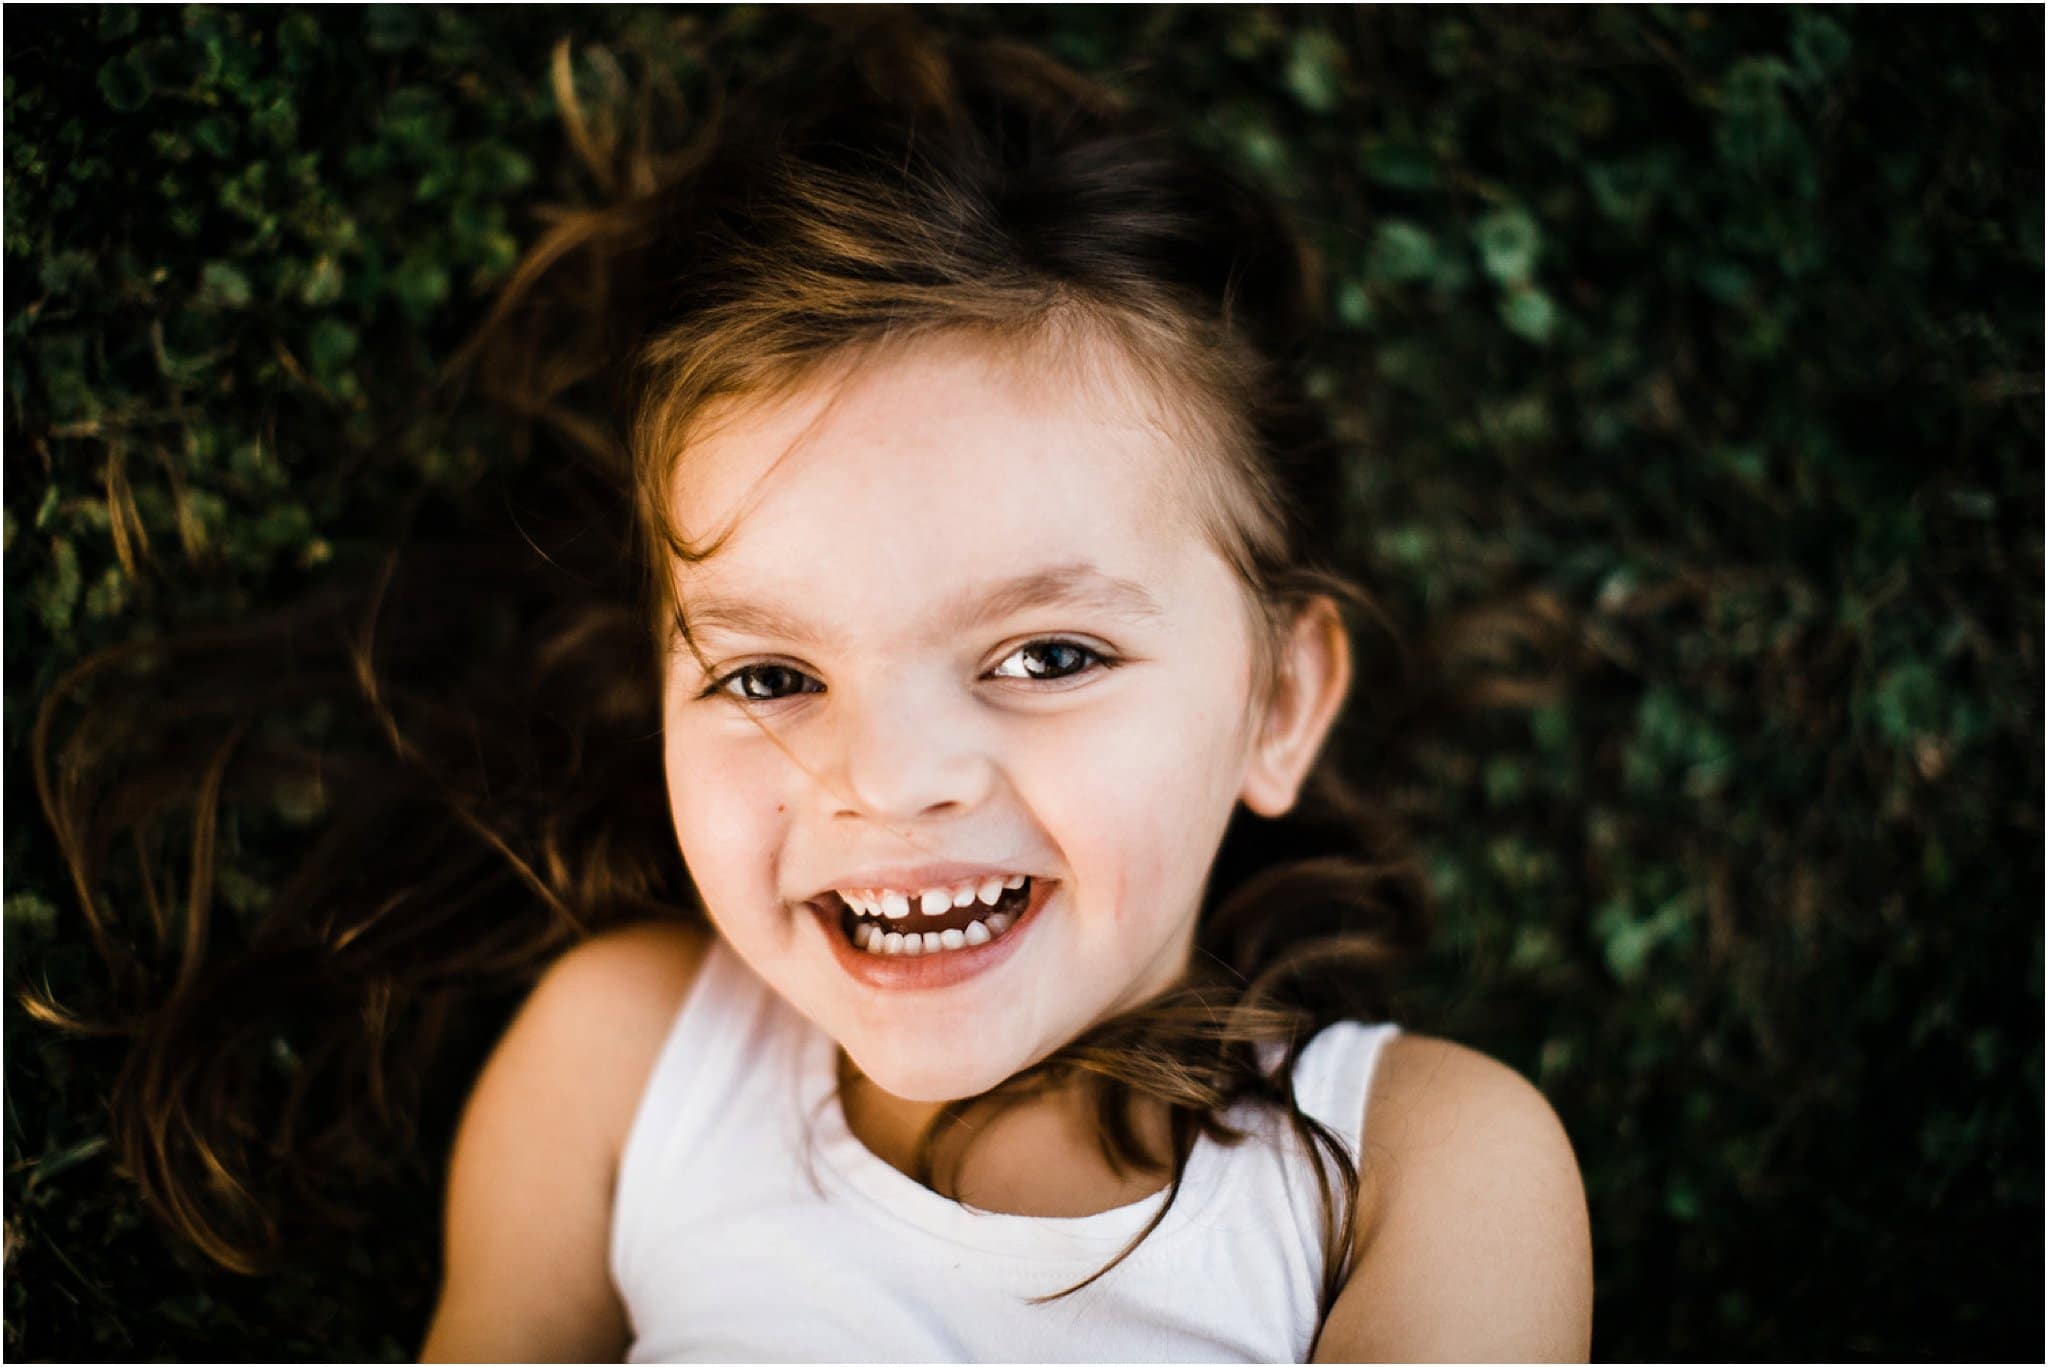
896,905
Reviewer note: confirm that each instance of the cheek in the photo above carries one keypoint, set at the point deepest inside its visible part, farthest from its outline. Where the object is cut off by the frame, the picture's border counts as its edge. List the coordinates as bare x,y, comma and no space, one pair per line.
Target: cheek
727,808
1137,801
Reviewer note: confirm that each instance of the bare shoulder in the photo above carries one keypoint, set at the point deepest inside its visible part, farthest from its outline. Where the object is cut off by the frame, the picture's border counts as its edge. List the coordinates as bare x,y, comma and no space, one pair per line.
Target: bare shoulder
526,1272
601,1012
1473,1238
633,977
1433,1095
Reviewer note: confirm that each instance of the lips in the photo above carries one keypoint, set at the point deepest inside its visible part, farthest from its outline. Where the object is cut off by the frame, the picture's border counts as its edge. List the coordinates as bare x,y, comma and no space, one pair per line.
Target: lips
921,971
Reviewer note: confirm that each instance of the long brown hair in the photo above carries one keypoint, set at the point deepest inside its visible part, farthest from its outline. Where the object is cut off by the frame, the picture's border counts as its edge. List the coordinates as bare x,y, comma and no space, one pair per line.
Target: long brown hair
888,185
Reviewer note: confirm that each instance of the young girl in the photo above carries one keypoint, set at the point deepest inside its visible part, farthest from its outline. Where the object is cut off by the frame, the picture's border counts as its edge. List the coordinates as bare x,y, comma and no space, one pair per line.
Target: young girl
972,479
1035,1007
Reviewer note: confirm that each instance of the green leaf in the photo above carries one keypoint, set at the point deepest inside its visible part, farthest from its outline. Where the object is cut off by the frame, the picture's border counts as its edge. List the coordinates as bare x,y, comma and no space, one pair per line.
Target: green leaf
323,283
299,800
496,170
1529,314
275,121
1354,304
1725,281
1625,191
1749,464
1682,1200
1758,134
30,916
282,527
124,82
1550,726
416,119
222,286
1629,942
1505,781
1315,70
1508,241
216,134
108,595
299,38
1907,703
421,284
241,892
56,594
331,348
1402,252
1398,165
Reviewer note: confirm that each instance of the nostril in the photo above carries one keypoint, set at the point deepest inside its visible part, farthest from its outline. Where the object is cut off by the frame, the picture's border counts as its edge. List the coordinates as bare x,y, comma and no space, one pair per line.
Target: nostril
924,769
852,809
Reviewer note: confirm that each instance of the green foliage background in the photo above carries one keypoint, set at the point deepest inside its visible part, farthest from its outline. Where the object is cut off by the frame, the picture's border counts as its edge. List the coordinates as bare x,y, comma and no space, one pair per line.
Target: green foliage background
1714,333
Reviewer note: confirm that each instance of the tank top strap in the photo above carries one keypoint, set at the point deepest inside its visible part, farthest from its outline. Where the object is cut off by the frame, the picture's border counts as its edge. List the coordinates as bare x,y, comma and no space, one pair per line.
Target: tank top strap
722,1022
1334,1076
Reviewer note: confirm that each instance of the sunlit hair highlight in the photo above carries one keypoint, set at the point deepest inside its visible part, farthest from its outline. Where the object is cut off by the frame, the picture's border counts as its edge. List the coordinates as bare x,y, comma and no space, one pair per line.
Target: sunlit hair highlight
884,187
992,196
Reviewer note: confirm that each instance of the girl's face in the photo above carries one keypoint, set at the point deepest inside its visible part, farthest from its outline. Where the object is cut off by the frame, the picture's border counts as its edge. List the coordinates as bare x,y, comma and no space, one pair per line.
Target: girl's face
982,636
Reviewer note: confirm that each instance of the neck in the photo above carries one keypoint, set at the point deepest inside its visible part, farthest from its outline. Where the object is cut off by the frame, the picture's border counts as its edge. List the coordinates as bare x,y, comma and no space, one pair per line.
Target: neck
887,1124
1039,1156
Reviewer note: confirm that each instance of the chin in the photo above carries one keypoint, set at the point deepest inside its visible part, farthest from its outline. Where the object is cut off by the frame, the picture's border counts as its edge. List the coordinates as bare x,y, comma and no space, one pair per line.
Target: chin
929,1079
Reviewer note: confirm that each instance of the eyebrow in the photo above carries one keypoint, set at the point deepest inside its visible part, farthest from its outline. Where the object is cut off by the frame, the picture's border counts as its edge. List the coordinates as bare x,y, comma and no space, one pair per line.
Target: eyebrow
1079,584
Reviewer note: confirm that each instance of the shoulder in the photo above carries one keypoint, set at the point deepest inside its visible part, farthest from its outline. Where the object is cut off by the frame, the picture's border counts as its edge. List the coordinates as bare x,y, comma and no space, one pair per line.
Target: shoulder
1435,1097
1473,1240
525,1269
601,1012
634,975
577,1052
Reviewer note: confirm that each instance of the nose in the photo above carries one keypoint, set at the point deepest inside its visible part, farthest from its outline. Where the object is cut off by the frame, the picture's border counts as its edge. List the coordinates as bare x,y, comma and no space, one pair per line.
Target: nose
905,756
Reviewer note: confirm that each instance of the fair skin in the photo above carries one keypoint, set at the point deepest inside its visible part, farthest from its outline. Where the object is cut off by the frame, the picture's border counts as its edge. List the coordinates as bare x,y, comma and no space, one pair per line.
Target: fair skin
965,614
889,527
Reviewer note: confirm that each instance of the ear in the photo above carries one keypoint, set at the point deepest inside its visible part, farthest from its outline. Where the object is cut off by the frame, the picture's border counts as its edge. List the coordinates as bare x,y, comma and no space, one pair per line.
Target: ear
1313,675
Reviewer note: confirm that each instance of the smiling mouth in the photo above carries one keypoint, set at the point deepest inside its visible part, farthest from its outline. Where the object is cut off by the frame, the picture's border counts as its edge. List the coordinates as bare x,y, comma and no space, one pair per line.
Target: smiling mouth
952,929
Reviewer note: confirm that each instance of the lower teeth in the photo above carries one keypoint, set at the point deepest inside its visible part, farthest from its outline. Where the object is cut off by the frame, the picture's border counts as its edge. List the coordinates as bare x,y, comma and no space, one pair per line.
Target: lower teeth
875,940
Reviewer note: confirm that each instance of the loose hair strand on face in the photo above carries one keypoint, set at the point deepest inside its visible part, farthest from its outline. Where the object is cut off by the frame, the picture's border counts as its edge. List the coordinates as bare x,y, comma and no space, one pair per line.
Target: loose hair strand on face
887,186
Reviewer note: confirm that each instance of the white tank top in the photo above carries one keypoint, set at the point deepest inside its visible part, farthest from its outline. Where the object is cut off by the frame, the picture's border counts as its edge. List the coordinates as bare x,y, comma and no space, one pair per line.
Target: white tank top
749,1223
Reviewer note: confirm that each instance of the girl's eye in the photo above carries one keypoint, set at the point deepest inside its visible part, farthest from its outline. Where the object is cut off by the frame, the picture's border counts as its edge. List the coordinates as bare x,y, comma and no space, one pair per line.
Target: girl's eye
764,683
1050,660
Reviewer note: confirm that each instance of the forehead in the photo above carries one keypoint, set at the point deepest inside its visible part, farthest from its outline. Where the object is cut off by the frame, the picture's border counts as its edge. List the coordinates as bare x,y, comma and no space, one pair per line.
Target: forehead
911,469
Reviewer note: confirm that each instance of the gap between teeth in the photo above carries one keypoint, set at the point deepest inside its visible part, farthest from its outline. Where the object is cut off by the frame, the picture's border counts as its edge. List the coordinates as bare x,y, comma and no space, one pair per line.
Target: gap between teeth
896,905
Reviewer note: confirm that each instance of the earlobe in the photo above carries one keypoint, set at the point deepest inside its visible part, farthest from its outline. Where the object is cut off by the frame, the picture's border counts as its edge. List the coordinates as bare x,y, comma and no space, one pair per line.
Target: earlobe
1314,675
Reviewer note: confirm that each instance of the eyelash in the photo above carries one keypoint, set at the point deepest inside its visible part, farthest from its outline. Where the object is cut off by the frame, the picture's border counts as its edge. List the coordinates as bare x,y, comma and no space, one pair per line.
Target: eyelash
1095,661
